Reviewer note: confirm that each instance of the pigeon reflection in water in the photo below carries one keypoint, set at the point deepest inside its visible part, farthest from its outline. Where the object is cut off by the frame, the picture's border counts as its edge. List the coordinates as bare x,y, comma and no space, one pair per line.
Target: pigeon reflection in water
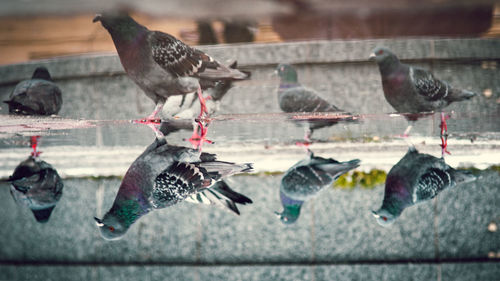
305,179
164,175
293,97
37,185
416,178
36,96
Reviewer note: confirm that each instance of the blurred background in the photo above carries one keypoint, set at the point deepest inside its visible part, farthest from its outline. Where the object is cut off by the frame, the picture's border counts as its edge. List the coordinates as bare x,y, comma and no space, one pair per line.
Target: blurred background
37,30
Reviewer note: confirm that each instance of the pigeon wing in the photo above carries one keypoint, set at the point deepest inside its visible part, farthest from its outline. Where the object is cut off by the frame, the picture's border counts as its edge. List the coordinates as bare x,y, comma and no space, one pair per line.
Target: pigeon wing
427,85
301,99
178,181
178,58
430,184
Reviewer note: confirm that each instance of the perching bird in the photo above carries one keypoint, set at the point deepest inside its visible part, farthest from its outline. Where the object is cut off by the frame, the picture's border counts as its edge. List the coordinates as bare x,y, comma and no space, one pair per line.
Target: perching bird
305,179
36,185
293,97
164,175
417,177
161,65
36,96
412,89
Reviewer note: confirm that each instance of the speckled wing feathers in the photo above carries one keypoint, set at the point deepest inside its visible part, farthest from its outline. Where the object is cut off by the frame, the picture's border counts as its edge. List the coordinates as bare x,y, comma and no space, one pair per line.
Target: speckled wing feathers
430,184
178,181
427,85
178,58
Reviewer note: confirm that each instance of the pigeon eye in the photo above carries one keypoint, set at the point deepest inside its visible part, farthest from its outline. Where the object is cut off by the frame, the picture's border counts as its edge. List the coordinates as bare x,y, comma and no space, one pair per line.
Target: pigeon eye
111,228
380,52
384,218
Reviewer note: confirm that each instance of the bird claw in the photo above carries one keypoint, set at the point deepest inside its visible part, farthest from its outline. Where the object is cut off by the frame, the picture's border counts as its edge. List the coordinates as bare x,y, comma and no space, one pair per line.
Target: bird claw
34,146
198,139
147,121
444,134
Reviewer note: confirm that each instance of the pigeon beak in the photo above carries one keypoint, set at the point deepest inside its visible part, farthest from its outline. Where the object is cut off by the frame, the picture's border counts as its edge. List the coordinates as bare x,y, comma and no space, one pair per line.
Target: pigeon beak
97,18
98,222
278,214
375,214
372,56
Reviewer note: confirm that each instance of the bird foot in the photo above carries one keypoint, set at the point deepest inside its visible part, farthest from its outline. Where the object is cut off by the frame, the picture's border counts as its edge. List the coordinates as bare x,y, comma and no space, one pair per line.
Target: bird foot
198,138
151,123
147,121
444,134
34,146
305,143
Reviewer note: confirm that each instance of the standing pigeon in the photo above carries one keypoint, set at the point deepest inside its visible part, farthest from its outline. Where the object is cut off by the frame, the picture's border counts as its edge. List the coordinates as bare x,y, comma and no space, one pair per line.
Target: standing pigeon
161,65
411,89
417,177
164,175
36,185
293,97
36,96
303,181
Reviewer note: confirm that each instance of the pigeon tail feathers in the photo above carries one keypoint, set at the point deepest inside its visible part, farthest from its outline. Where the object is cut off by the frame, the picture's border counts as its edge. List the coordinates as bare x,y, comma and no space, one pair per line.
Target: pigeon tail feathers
460,95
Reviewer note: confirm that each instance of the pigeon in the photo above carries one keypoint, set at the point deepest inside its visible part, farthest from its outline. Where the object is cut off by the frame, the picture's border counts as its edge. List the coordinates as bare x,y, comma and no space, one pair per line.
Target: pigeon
161,65
36,96
293,97
37,185
164,175
305,179
414,90
416,178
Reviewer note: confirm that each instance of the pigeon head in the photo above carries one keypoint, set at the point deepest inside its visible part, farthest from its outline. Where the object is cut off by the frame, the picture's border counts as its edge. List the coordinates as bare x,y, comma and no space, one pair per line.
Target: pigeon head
382,55
384,218
291,209
41,73
289,215
117,23
111,228
287,73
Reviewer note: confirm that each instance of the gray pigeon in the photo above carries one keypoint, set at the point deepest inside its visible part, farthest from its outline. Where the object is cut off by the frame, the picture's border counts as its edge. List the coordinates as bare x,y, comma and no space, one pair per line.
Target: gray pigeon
305,179
293,97
164,175
161,65
411,89
36,185
416,178
36,96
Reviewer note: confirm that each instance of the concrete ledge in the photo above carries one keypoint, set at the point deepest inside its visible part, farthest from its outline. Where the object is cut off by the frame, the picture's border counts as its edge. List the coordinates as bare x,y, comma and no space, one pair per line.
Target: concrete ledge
253,55
387,272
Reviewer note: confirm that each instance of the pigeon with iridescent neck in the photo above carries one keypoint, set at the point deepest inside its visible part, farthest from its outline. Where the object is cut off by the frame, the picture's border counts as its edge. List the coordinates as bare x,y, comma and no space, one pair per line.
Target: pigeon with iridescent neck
416,178
413,90
305,179
164,175
293,97
161,65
